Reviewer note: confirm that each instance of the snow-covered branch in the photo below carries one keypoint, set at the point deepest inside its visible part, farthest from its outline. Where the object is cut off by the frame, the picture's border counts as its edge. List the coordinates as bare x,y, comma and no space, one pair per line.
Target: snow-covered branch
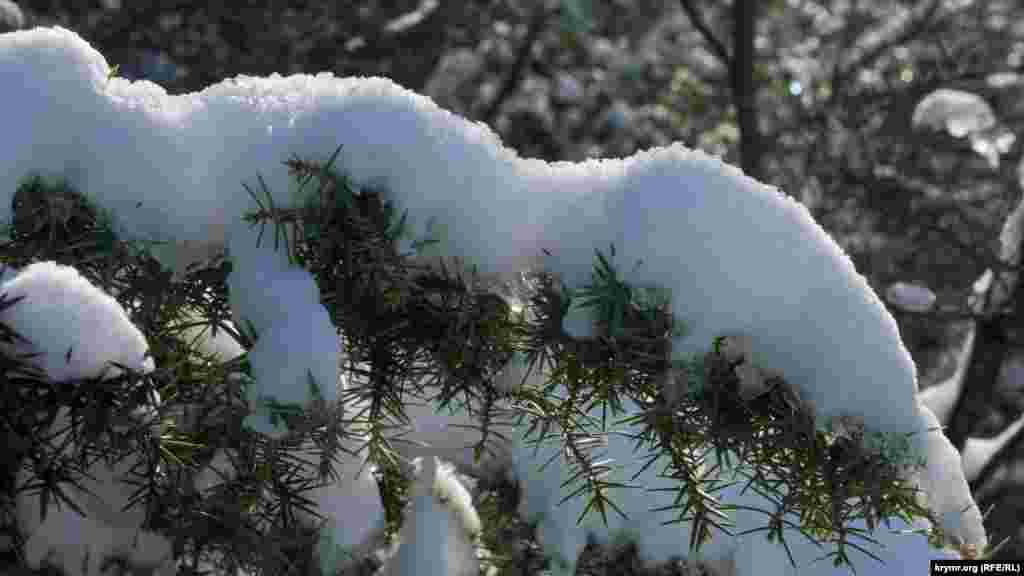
736,257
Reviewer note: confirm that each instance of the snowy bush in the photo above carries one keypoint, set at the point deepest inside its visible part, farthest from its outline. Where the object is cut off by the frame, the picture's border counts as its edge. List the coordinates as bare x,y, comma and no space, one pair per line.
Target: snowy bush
812,341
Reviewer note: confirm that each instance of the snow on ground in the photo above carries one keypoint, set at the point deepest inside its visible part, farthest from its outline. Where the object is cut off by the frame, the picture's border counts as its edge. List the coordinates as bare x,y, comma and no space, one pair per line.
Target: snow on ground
739,257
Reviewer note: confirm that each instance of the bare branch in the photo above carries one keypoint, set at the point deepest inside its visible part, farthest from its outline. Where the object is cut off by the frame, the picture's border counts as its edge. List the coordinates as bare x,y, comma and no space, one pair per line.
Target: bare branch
716,45
914,29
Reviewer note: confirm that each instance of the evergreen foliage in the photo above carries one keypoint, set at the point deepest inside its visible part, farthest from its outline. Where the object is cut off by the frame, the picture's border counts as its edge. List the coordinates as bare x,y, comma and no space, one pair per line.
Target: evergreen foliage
434,329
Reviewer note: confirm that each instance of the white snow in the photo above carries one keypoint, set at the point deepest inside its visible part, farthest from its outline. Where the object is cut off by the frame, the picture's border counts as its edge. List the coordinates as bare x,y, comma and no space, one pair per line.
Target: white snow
79,544
738,256
748,555
350,505
910,296
957,111
62,311
296,340
979,451
948,494
964,115
941,398
11,17
222,345
411,19
464,526
77,327
426,531
1010,236
441,502
811,317
450,434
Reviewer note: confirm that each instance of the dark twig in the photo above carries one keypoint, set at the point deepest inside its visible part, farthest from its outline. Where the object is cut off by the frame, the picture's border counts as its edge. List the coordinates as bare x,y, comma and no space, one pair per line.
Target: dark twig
716,45
914,29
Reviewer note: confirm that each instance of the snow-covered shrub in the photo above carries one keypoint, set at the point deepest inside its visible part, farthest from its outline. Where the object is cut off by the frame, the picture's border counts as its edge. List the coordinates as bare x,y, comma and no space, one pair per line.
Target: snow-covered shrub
778,280
63,312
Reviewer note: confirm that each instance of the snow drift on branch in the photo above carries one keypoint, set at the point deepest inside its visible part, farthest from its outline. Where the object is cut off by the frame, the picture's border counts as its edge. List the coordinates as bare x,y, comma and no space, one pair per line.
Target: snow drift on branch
738,256
78,328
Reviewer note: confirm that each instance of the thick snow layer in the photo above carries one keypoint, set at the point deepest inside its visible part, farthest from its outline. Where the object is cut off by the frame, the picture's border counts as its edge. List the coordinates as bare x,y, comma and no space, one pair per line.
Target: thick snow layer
464,525
738,256
948,494
78,328
809,314
296,338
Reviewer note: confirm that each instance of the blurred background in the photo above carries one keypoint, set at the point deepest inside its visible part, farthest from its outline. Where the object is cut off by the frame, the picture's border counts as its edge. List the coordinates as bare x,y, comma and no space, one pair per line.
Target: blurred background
895,122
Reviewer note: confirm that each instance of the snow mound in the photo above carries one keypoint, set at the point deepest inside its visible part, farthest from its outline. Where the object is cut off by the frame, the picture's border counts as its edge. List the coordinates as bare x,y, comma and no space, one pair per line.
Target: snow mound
62,314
